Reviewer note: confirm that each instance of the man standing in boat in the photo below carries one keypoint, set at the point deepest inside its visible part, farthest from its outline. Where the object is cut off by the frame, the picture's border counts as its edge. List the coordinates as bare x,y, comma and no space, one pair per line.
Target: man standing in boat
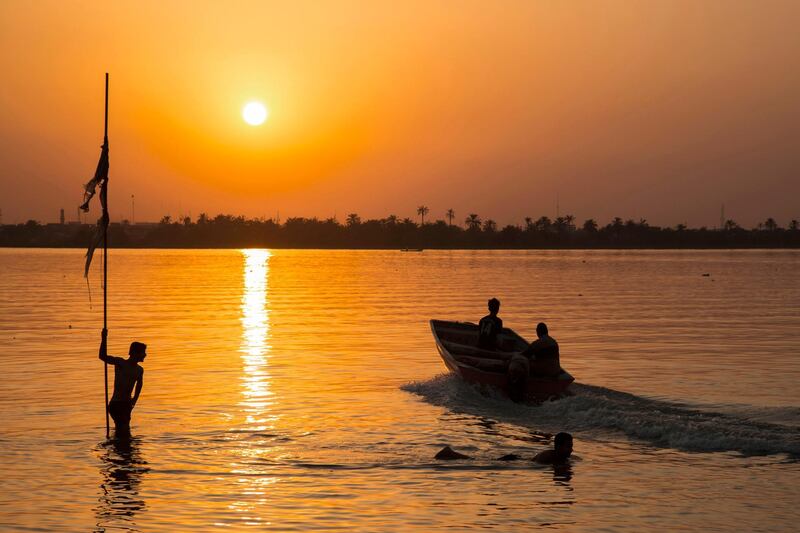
127,375
490,327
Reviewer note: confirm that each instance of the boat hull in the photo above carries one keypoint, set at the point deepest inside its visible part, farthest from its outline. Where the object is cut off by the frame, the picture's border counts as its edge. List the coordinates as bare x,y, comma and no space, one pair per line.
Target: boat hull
538,389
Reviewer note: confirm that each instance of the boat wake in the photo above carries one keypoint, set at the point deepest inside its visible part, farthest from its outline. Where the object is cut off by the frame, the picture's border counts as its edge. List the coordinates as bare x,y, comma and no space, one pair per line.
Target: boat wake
596,410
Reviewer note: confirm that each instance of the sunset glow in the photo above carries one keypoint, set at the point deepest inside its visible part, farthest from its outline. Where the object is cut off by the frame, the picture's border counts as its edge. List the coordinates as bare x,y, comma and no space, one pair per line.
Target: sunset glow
294,217
366,105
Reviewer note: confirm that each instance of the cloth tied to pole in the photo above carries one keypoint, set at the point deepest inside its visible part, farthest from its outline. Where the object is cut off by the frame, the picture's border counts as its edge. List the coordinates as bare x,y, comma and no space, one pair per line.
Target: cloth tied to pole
100,179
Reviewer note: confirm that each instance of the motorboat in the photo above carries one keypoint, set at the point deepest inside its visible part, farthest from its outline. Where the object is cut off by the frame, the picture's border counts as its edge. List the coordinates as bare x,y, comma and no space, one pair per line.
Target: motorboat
457,343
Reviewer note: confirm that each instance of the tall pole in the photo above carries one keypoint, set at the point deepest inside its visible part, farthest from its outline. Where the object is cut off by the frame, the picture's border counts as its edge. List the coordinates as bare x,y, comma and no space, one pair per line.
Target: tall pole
105,260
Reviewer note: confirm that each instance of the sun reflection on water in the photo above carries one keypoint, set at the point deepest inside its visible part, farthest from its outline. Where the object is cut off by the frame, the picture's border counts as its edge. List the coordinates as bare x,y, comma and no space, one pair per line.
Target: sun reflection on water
255,345
257,397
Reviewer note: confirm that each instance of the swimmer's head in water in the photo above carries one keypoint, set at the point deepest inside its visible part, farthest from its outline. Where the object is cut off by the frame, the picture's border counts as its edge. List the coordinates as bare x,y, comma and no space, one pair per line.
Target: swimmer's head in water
563,444
494,305
138,350
541,329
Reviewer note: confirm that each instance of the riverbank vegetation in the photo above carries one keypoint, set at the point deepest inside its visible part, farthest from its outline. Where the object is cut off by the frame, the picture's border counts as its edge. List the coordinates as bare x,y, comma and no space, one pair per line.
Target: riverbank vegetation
226,231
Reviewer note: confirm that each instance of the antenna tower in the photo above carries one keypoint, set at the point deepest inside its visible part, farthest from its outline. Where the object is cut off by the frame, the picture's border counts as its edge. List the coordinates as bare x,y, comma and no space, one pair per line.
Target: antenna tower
557,207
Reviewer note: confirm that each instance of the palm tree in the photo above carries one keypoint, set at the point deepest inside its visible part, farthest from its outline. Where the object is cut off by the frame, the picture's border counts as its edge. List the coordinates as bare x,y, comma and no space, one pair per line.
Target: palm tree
422,211
770,224
528,224
590,226
731,225
450,216
793,225
490,226
353,219
473,221
542,224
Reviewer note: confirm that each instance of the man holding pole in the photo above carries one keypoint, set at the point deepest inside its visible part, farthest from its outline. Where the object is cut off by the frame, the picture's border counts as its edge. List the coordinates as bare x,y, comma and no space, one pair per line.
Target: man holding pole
127,375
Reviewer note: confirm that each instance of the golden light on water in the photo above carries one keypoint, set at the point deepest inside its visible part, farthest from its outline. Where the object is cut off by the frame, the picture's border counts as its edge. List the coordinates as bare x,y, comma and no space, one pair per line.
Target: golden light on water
255,338
257,398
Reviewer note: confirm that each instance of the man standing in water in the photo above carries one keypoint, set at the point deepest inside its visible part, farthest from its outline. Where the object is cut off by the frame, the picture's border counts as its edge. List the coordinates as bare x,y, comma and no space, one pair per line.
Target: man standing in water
562,449
127,375
559,455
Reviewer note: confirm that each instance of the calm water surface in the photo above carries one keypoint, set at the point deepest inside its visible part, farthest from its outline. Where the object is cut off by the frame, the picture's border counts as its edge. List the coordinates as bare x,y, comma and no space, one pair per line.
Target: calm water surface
289,390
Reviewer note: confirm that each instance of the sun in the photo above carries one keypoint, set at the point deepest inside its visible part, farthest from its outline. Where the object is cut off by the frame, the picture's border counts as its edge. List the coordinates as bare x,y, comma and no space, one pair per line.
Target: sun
254,113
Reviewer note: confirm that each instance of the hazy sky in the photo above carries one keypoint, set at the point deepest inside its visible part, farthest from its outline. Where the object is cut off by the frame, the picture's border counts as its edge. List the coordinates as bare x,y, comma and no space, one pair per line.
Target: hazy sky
662,110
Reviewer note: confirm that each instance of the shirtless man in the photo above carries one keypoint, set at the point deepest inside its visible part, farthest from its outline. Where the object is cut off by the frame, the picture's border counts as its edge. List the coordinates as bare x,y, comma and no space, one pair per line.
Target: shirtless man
562,449
559,455
127,375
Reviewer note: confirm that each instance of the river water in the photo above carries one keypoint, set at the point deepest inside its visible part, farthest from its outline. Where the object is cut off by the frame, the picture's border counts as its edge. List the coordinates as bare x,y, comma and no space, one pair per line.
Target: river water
301,390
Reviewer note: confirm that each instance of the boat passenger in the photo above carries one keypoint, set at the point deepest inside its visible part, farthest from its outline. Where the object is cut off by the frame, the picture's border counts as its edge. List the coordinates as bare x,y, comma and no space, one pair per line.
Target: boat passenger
562,449
127,375
490,326
543,354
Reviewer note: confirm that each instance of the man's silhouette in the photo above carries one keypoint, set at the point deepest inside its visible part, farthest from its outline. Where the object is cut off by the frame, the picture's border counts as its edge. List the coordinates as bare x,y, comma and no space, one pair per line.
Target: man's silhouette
543,354
490,326
559,455
562,449
127,375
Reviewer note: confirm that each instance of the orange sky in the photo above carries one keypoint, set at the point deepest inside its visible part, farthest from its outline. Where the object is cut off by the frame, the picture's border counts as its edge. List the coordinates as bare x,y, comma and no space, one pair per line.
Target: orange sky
662,110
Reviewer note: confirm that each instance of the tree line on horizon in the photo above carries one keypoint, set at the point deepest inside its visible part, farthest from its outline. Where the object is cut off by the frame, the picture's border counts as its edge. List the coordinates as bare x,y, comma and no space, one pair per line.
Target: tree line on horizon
228,231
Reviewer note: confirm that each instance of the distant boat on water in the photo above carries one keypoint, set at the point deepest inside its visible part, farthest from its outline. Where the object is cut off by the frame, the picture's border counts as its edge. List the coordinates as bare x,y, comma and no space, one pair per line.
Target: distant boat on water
457,344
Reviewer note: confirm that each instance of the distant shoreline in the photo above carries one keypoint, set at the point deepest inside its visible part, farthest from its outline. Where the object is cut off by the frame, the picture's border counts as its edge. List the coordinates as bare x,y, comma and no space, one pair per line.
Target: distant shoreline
439,249
392,233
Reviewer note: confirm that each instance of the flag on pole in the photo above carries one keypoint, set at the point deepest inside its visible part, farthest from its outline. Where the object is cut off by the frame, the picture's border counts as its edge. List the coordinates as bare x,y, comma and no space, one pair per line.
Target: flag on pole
100,179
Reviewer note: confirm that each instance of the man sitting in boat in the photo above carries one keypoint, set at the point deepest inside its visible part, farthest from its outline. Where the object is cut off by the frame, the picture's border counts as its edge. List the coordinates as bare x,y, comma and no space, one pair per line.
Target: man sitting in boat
543,354
490,327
